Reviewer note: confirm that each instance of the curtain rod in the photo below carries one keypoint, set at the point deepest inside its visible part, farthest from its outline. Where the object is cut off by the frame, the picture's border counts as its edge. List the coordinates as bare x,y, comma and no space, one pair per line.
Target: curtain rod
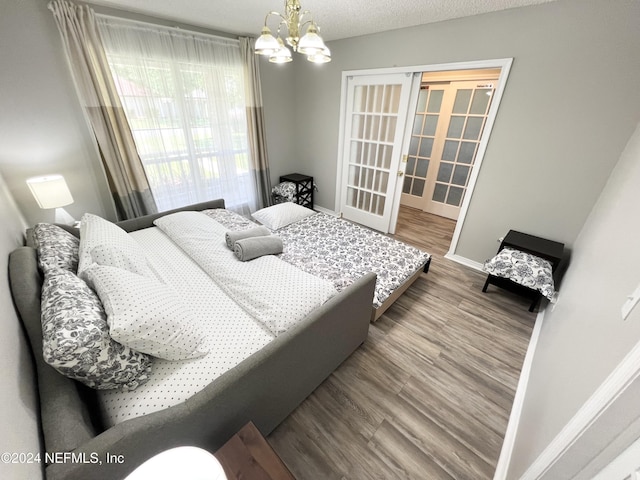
173,30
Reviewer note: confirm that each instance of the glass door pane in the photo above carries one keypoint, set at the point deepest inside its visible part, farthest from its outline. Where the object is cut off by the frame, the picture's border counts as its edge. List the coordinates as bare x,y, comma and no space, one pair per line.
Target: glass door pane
374,124
423,134
372,131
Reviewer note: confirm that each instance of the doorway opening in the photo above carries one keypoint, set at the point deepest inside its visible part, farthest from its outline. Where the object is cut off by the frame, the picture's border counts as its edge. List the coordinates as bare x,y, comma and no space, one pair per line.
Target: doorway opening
385,160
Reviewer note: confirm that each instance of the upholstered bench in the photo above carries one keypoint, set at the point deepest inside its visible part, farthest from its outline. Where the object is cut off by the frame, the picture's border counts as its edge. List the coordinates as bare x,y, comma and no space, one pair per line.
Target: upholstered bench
525,265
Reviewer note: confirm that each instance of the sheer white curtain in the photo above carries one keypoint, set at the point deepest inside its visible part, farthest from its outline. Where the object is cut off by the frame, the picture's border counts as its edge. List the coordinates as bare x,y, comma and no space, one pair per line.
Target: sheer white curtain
184,97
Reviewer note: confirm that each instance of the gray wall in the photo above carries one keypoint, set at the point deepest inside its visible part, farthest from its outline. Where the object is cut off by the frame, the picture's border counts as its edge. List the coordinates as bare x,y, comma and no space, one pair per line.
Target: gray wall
570,104
278,97
584,337
19,409
42,127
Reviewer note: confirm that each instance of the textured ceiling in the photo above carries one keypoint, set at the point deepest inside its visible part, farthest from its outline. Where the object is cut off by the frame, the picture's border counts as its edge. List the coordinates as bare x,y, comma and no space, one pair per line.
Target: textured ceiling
337,18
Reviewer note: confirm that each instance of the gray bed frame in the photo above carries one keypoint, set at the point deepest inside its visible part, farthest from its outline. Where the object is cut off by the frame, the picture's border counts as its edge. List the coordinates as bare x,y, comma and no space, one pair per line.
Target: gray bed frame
265,388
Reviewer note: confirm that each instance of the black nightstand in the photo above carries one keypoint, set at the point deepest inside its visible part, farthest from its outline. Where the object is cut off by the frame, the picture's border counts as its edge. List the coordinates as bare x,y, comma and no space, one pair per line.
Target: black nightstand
540,247
304,188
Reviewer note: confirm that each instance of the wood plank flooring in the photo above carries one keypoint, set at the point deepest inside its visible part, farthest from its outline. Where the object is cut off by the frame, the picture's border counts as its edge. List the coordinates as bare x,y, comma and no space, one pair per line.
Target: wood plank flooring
428,395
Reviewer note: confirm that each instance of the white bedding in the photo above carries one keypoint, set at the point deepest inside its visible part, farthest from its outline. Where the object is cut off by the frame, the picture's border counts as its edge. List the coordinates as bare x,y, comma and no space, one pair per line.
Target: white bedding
231,336
273,291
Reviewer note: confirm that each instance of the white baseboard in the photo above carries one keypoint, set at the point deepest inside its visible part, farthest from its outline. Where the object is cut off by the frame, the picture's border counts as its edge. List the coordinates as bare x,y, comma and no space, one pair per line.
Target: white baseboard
518,401
325,210
464,261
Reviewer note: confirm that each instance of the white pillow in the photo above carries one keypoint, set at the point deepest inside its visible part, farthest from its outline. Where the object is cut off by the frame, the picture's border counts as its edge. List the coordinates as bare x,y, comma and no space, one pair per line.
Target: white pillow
105,243
127,259
146,315
281,215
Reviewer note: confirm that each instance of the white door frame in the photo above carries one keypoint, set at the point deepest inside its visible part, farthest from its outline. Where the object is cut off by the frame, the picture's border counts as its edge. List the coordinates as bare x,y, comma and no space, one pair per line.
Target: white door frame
503,63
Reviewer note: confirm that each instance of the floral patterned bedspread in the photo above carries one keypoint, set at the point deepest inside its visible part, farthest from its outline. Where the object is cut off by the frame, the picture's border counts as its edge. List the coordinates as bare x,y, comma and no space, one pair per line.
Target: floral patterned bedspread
340,251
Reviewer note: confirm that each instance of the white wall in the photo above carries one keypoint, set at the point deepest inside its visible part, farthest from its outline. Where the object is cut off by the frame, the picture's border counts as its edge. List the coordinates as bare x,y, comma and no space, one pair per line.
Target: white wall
584,337
19,409
570,105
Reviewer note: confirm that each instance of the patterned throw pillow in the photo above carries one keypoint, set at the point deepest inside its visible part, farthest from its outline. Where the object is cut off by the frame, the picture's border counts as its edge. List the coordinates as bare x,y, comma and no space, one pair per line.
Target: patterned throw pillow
285,190
147,315
76,339
57,248
524,269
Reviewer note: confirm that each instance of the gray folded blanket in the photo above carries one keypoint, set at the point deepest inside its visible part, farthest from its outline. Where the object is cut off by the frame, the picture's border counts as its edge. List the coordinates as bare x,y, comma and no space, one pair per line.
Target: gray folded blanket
231,237
253,247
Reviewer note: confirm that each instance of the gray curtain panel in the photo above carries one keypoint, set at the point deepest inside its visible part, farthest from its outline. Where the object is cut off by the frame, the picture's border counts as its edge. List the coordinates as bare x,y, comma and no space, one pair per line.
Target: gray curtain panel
255,123
125,174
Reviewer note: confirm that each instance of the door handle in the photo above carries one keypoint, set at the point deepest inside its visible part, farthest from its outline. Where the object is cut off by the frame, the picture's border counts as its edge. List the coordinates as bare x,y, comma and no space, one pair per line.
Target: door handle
400,173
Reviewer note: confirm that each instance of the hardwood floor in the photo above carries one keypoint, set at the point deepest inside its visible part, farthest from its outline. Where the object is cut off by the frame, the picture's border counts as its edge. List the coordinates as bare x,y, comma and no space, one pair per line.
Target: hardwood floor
428,395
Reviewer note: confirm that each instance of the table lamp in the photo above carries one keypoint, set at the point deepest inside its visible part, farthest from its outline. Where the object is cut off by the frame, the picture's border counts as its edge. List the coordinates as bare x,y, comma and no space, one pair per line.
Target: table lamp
51,191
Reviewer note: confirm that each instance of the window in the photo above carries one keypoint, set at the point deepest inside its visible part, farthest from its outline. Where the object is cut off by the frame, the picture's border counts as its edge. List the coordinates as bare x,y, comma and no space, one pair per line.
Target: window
183,95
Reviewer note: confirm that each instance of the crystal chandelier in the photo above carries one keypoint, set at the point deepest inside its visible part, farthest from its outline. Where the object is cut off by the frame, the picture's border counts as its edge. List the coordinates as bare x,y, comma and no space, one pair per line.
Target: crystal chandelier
310,44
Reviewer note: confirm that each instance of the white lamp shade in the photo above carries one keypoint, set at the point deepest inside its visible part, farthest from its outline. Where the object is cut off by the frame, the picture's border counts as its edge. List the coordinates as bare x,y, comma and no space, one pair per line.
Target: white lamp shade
266,44
50,191
311,42
282,55
321,57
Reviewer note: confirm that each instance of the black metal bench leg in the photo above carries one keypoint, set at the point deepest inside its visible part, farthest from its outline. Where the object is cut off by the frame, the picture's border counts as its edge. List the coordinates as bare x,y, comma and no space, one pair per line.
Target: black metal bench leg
486,284
425,269
534,303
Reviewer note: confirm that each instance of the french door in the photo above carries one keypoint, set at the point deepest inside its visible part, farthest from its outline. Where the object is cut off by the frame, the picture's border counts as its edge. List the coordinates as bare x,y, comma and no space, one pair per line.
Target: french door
447,128
374,120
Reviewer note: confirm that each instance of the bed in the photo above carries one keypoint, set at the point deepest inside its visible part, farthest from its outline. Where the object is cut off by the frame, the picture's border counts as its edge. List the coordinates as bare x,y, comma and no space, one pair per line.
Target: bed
279,372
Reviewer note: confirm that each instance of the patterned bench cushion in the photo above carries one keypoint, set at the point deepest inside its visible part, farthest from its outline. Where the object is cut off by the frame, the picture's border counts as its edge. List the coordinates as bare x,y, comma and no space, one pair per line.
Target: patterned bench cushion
524,269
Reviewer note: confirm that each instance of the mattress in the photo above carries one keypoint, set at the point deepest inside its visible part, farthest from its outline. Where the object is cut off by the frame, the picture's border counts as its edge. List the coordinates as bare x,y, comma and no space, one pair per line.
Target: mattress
340,251
231,336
